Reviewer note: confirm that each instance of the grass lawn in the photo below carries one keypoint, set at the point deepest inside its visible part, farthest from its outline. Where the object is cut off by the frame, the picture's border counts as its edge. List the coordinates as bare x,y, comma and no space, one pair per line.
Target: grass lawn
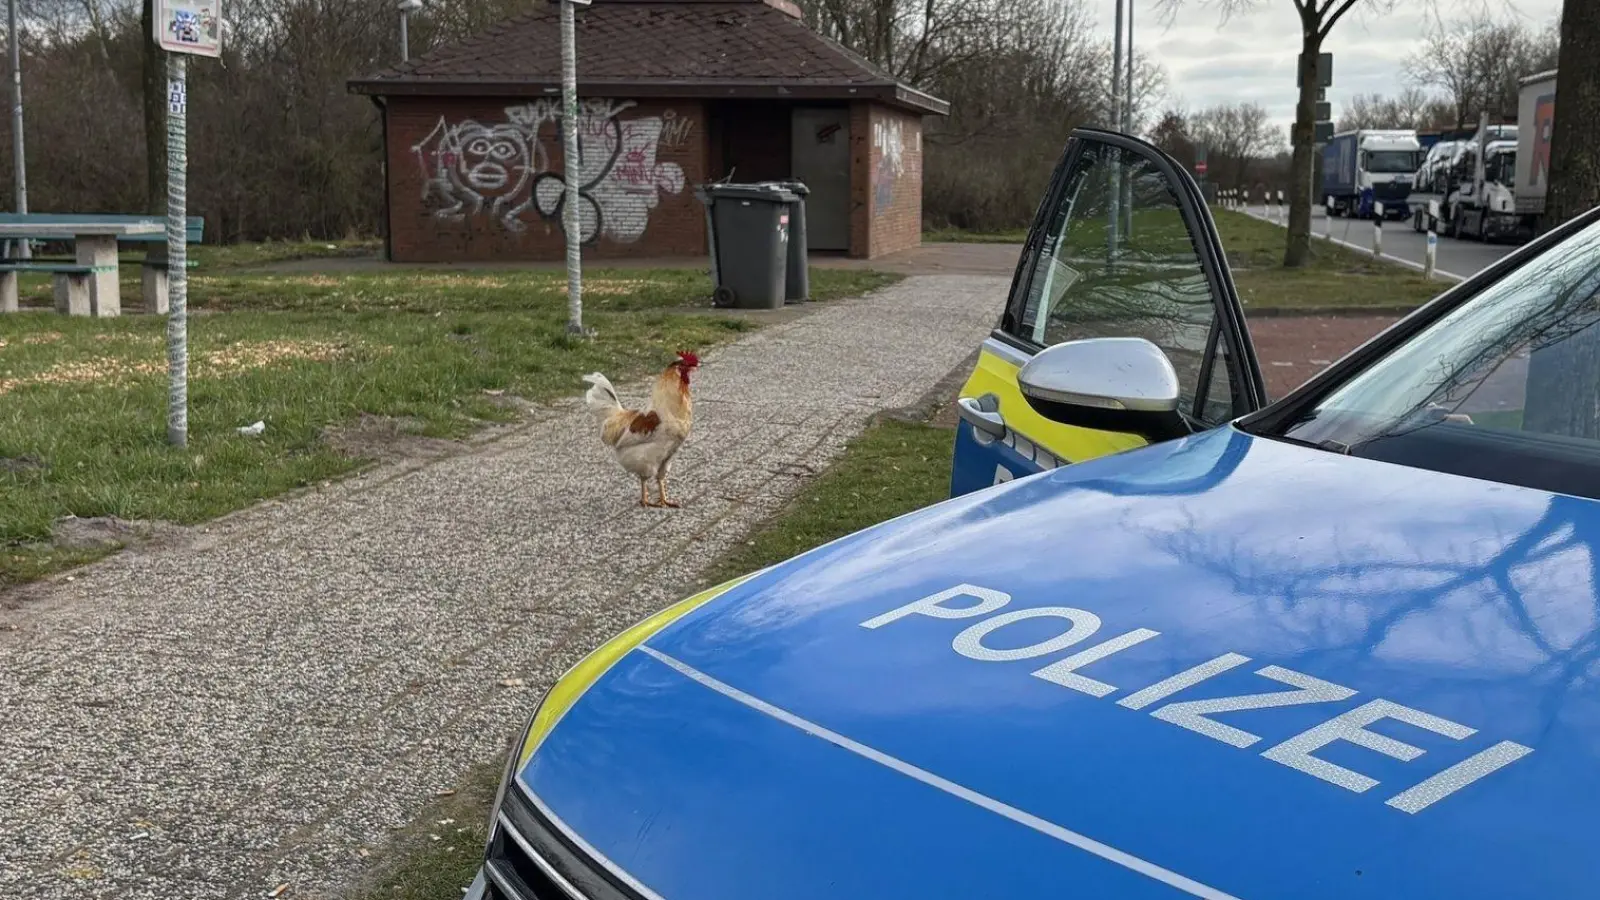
894,467
82,401
1338,277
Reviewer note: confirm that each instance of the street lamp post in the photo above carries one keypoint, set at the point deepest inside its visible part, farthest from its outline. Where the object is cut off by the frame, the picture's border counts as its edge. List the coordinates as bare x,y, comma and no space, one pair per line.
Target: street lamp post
1127,125
406,7
18,155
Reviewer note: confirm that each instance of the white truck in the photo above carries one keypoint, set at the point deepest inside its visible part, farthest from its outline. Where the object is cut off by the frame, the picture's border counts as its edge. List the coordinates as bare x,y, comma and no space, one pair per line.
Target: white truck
1536,111
1361,169
1476,198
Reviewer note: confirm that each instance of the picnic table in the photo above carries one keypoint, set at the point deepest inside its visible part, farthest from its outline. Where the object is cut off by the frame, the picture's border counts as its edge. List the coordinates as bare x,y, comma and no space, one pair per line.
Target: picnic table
89,285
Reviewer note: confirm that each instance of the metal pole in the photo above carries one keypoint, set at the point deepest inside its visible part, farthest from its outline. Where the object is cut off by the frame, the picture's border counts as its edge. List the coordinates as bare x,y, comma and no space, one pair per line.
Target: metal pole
1116,125
19,157
1116,73
405,39
1128,109
569,152
177,252
1127,121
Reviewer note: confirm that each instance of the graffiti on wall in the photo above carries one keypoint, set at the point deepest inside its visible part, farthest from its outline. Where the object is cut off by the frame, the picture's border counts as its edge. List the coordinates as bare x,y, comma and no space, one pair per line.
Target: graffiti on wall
888,140
504,169
675,129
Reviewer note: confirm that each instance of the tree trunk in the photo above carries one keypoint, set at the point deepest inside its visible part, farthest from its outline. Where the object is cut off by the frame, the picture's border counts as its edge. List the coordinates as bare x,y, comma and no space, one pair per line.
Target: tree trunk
1298,251
155,116
1575,145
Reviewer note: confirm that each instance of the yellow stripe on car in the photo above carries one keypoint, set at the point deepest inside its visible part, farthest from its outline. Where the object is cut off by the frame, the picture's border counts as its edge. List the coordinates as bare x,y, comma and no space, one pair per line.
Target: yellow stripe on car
583,675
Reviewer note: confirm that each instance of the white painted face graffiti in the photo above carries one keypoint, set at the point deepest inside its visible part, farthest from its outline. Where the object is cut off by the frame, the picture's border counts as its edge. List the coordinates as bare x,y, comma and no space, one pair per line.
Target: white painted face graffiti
492,158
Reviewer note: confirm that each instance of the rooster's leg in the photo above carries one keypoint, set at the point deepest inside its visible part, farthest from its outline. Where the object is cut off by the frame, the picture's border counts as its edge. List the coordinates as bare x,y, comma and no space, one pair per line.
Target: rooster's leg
661,484
644,494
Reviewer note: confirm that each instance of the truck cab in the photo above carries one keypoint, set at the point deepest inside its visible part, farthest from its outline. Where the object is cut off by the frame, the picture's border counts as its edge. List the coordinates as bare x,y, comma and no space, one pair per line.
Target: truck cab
1364,168
1483,204
1467,185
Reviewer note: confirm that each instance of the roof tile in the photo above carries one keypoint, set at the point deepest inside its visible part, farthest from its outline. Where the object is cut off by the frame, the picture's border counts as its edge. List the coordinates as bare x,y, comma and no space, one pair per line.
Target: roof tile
662,41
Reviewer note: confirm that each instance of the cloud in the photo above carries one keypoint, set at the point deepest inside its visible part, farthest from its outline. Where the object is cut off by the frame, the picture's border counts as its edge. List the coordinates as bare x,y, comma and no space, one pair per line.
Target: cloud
1251,55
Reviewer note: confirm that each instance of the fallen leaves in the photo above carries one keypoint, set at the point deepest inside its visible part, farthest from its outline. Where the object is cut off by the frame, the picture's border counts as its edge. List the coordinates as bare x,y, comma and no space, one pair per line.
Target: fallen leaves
240,357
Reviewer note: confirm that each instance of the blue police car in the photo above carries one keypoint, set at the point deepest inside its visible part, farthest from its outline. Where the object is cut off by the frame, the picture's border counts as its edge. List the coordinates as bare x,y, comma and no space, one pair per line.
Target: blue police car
1345,644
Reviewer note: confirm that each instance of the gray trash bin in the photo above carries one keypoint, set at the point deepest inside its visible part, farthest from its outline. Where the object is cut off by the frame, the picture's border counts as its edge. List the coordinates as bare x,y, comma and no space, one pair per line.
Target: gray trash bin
749,238
798,283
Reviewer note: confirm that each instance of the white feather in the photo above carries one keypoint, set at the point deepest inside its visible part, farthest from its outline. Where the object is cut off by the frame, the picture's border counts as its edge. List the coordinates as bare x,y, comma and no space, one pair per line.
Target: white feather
601,397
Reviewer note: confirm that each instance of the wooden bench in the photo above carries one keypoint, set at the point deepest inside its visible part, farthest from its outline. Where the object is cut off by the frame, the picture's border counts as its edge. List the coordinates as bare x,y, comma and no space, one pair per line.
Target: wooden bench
71,285
100,259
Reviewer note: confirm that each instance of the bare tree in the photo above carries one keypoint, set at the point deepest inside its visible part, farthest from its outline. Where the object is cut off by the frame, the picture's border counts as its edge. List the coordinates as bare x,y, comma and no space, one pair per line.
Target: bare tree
1317,20
1235,135
1478,63
1171,134
1411,108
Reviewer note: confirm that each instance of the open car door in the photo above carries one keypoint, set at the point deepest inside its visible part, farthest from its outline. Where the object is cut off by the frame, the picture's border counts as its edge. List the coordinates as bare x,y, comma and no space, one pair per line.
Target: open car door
1122,246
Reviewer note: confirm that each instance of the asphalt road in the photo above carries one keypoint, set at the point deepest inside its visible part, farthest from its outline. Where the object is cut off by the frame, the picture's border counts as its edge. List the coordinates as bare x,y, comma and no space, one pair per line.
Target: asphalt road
1460,258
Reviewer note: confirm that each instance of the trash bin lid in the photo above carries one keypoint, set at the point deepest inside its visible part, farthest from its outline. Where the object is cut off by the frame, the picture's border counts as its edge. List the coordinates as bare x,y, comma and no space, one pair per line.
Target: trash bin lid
794,187
763,193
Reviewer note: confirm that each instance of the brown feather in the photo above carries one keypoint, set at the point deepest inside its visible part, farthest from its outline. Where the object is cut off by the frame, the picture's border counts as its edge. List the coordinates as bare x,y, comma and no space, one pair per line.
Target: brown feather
644,423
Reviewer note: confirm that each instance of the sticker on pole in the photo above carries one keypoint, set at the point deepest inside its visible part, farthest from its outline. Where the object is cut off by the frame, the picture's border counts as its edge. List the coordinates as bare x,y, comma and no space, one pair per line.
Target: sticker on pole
177,97
189,26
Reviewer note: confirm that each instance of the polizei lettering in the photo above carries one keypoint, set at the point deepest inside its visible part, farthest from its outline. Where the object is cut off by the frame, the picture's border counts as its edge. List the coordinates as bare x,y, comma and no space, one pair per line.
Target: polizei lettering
1072,627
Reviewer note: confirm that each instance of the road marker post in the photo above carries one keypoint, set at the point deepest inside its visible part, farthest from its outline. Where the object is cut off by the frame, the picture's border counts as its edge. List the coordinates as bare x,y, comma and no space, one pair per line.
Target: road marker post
1377,230
1283,213
1432,253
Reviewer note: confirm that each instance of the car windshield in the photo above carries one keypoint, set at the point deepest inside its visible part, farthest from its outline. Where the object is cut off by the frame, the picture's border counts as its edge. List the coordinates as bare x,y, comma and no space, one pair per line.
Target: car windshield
1504,387
1391,161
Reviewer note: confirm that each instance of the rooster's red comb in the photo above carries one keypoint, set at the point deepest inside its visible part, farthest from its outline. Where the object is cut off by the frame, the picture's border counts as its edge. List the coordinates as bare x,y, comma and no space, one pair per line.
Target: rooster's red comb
689,359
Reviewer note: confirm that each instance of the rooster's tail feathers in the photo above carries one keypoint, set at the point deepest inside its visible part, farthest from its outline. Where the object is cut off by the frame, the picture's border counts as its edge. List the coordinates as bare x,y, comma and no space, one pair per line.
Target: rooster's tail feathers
602,397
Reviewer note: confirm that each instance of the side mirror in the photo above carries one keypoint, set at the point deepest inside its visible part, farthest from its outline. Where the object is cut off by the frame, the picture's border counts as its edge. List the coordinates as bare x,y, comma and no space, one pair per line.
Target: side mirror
1124,385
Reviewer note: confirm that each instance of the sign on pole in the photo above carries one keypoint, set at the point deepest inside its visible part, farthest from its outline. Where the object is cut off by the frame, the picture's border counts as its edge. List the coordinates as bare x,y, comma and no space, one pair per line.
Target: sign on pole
184,28
189,26
1324,72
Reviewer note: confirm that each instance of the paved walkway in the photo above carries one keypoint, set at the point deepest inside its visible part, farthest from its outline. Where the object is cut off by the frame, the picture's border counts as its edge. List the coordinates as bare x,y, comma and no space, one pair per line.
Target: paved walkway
250,709
1294,348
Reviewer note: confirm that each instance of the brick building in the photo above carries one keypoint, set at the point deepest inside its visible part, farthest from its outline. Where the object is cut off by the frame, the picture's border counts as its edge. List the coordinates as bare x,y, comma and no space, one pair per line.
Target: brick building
673,93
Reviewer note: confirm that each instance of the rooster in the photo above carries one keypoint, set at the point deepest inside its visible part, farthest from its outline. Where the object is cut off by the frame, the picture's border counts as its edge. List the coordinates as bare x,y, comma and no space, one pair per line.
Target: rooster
645,439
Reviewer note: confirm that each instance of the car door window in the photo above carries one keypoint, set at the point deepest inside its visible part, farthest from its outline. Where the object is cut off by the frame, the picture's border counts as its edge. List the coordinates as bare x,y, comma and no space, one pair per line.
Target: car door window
1116,259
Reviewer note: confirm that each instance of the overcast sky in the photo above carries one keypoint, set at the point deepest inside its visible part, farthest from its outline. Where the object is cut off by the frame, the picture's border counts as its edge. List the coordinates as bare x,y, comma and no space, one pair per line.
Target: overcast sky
1252,56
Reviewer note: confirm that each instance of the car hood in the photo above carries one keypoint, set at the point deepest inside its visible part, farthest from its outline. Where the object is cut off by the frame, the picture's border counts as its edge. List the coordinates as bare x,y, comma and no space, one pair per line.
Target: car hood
1221,667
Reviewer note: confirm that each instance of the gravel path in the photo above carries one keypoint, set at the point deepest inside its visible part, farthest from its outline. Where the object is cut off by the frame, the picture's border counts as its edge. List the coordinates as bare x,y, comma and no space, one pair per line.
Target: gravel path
250,708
